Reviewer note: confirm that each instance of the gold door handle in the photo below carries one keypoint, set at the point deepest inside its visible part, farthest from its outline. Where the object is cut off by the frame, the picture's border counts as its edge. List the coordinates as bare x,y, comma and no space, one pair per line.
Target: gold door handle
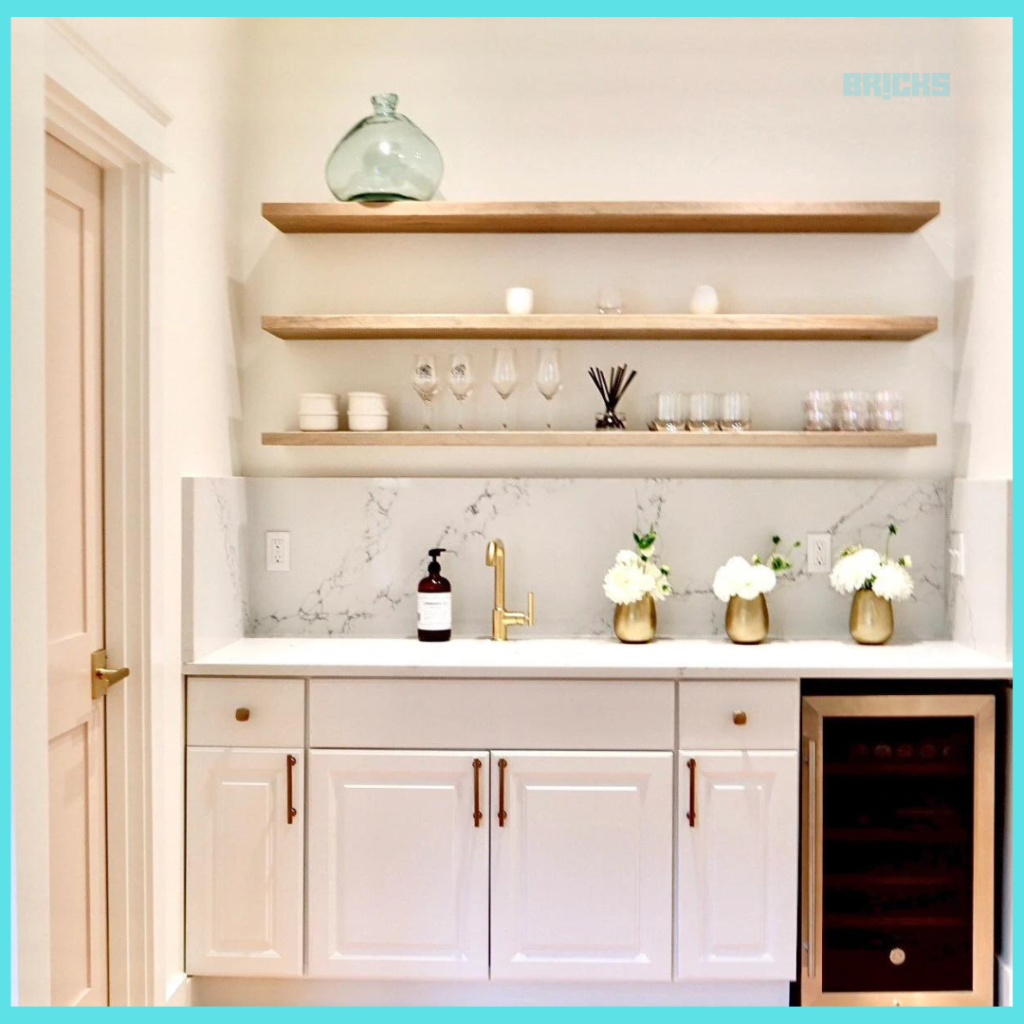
103,678
502,813
477,813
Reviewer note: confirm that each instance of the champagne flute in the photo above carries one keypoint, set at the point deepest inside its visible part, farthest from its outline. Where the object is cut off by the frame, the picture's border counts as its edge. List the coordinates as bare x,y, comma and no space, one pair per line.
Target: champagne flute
460,381
504,378
424,380
549,377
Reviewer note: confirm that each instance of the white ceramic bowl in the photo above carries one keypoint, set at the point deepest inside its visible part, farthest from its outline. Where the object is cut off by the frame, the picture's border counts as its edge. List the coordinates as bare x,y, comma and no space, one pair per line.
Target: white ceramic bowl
314,404
367,402
367,420
319,421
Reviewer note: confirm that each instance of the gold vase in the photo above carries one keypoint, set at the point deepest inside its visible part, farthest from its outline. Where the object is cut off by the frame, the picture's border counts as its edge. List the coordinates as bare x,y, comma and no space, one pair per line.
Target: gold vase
636,623
871,619
746,622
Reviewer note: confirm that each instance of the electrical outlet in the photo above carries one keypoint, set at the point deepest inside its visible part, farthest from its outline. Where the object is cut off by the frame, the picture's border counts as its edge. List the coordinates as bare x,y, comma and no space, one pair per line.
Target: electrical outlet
279,553
957,555
819,553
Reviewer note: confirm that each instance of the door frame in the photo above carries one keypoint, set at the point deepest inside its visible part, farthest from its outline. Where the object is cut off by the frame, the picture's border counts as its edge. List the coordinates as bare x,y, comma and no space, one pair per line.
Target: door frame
88,105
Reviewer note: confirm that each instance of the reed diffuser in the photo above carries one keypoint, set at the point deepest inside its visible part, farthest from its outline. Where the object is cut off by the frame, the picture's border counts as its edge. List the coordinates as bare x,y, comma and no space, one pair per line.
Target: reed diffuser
611,388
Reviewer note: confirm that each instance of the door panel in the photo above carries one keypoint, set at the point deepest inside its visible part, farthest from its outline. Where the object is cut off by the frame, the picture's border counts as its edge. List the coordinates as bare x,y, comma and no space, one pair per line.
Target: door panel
397,864
74,537
244,894
581,872
737,881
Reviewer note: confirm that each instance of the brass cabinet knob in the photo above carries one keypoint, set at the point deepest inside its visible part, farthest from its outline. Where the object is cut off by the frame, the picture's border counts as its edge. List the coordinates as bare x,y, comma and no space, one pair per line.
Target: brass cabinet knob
241,714
897,956
739,718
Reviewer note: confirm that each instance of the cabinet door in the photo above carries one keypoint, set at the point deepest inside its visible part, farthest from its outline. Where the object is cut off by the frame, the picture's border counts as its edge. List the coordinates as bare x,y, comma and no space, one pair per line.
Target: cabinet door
581,866
398,864
243,885
738,864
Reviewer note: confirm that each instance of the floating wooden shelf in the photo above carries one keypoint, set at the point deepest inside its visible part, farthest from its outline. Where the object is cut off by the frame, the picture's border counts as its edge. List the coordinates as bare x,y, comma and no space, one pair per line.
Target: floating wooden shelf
591,218
595,326
599,439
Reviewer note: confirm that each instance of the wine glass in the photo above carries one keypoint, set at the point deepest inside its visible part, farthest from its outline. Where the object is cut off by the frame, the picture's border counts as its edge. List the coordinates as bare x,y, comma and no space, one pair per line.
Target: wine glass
460,381
504,378
424,380
549,376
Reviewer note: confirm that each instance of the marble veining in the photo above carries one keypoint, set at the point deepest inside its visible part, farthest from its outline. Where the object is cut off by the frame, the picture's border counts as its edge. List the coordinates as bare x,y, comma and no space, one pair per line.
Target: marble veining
358,549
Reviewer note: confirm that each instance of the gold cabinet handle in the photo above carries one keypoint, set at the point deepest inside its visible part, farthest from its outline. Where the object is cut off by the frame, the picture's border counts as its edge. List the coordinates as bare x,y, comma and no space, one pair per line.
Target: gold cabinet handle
691,814
477,813
241,714
739,718
103,678
291,762
502,813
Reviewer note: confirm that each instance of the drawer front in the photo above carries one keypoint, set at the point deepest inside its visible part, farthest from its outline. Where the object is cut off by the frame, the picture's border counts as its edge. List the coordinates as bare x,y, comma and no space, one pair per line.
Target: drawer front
534,714
747,715
246,712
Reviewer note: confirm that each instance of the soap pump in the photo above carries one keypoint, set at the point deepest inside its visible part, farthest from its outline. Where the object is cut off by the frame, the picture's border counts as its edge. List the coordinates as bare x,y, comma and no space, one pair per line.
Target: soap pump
434,603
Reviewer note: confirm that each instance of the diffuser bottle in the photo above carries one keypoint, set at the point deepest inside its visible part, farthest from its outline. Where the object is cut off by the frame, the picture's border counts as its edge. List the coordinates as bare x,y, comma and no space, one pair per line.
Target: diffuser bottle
434,603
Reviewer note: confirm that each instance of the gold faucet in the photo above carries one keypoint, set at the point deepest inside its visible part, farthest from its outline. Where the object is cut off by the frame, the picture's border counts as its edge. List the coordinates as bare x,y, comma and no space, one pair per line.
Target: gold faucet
500,618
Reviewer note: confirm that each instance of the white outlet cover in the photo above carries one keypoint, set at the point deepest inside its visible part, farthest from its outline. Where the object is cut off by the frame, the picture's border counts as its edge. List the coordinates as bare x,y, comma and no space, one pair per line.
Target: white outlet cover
819,553
957,554
279,555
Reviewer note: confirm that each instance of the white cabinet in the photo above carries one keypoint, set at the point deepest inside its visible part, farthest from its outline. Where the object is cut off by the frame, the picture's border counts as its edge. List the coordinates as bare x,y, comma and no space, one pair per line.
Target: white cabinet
398,863
244,895
737,864
581,866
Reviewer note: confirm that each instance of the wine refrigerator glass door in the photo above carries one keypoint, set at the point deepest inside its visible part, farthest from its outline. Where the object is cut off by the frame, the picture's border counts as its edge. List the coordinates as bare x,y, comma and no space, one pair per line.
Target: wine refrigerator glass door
897,851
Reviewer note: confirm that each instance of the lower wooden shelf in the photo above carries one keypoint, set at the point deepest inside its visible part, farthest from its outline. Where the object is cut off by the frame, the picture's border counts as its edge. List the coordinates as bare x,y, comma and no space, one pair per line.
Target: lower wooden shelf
598,439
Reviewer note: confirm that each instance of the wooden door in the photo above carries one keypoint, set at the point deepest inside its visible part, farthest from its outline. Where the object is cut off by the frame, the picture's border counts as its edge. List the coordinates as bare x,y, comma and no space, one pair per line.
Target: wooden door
398,859
581,866
736,910
244,851
74,514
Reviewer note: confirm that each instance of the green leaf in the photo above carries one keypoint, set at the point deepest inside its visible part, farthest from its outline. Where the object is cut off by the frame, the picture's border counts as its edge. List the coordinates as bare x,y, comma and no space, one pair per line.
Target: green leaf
776,539
893,530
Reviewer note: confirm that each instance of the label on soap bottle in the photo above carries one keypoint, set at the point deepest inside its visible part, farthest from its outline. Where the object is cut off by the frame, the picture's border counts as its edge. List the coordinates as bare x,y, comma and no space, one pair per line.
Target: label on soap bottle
434,611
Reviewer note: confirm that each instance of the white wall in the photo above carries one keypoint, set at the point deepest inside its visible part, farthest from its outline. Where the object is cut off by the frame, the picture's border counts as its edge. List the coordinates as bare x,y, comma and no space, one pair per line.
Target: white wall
603,109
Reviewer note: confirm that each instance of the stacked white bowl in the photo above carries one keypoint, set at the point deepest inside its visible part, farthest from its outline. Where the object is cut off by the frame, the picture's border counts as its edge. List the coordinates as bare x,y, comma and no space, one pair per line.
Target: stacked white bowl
319,412
367,410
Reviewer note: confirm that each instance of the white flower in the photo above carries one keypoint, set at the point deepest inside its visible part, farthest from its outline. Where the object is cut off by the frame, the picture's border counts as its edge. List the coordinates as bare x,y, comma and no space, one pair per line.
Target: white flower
627,557
854,570
738,578
626,584
893,582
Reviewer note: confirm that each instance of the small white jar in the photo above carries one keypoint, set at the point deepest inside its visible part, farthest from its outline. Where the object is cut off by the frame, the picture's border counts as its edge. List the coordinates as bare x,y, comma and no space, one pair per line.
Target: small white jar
367,421
315,403
704,300
519,301
319,421
367,402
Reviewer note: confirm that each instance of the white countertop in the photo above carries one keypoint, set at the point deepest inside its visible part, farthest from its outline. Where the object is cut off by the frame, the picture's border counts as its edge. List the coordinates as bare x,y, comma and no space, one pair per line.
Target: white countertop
590,658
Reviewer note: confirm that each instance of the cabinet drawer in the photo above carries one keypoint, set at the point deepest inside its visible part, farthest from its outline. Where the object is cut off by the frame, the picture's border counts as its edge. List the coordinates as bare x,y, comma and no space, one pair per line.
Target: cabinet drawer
739,715
246,712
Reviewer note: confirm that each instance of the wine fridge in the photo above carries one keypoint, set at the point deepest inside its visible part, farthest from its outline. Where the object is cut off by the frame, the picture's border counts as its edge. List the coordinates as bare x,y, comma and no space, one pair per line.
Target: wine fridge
897,850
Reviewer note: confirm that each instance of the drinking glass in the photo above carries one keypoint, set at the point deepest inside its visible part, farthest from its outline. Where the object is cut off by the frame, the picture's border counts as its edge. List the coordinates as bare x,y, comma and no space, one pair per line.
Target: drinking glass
671,410
734,411
609,299
425,382
460,381
819,411
549,377
887,411
504,378
852,411
703,416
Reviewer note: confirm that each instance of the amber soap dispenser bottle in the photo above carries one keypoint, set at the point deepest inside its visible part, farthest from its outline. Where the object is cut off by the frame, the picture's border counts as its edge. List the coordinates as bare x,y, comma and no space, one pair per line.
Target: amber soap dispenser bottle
434,603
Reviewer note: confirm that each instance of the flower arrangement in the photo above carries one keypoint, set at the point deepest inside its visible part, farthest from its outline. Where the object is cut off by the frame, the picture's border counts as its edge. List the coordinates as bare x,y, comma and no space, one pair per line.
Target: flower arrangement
860,568
636,575
748,580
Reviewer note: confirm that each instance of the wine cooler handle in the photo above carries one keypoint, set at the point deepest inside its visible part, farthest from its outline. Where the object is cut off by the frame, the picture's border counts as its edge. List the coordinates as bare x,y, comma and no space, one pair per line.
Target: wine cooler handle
691,814
502,813
812,858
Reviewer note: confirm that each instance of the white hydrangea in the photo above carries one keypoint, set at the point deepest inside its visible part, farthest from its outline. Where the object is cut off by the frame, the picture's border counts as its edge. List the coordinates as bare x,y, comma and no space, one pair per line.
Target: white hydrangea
854,570
739,578
893,582
626,583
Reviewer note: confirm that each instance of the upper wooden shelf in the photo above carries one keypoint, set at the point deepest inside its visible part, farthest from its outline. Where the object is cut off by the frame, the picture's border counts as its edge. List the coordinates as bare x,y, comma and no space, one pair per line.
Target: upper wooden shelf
593,218
596,326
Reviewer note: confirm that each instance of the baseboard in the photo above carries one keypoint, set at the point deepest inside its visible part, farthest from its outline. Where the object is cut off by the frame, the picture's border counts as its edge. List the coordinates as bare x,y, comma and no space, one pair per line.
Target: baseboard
1004,982
311,992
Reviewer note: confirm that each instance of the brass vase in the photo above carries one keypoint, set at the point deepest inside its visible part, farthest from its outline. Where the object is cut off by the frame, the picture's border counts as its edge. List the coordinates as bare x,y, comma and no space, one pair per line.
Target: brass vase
871,619
746,622
636,623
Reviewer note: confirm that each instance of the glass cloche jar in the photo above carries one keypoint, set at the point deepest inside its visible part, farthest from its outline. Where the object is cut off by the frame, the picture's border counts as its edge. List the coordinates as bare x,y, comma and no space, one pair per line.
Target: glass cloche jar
384,157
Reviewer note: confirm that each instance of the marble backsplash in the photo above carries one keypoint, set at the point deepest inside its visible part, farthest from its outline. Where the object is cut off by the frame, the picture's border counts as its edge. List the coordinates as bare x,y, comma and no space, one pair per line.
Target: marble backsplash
359,548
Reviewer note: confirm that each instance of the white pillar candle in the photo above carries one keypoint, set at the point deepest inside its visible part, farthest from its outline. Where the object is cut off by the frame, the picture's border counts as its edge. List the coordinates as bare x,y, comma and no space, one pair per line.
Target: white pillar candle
519,301
704,300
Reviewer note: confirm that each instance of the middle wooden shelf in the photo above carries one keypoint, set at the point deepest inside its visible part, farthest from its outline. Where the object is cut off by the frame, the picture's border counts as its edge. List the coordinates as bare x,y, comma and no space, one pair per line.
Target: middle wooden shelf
600,327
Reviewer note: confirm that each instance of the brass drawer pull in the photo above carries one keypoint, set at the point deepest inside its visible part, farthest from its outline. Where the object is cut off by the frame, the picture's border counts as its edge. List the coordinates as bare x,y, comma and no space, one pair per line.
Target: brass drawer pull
477,813
241,714
502,813
292,762
739,718
691,814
